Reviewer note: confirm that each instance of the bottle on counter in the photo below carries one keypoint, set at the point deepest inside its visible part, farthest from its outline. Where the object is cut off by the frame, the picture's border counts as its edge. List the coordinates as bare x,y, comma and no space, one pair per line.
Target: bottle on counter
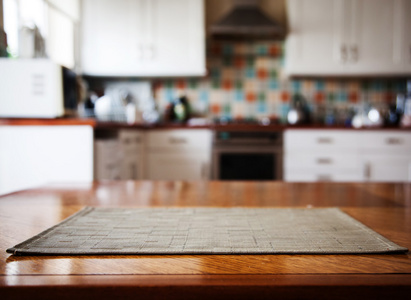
406,117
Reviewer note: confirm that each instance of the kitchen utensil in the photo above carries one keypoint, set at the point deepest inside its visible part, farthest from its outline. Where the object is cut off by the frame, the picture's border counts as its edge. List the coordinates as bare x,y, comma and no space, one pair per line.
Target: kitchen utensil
299,113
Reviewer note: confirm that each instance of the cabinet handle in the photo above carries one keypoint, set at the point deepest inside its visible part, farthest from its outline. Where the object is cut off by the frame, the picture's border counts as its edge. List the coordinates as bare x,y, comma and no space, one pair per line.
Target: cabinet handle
393,141
325,140
177,140
354,53
324,177
324,161
367,171
343,53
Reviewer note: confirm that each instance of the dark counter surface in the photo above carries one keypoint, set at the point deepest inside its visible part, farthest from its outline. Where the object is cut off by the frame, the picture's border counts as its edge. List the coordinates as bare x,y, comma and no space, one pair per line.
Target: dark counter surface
229,126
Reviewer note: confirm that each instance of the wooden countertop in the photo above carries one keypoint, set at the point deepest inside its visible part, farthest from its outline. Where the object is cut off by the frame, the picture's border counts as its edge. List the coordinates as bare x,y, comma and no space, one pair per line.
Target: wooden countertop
386,208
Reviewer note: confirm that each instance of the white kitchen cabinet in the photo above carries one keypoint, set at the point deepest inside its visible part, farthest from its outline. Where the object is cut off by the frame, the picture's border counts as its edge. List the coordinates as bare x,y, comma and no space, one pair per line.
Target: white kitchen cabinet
183,154
404,22
176,166
131,144
348,37
313,37
106,159
143,38
386,156
343,155
321,155
119,155
31,156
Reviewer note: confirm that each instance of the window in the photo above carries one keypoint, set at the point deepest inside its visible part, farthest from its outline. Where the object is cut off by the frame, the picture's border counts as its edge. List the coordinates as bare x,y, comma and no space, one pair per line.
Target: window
56,20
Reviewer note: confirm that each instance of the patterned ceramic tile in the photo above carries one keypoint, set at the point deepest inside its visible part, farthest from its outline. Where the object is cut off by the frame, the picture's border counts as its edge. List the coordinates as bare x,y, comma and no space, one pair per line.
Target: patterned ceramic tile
250,85
247,80
250,96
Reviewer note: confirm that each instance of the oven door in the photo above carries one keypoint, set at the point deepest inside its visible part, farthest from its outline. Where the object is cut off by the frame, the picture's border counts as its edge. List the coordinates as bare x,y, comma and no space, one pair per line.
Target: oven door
237,162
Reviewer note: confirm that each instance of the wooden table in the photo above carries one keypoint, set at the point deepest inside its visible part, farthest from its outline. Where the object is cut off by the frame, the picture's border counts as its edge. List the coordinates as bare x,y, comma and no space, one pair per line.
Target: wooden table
386,208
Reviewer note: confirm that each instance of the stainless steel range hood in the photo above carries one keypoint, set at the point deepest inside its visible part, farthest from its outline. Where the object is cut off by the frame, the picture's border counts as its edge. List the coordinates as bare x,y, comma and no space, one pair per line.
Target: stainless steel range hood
247,21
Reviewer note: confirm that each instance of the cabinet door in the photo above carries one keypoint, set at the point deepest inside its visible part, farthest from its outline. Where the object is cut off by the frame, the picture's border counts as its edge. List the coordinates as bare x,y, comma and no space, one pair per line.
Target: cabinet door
403,21
132,151
315,37
176,166
349,37
143,37
111,44
387,168
175,40
374,44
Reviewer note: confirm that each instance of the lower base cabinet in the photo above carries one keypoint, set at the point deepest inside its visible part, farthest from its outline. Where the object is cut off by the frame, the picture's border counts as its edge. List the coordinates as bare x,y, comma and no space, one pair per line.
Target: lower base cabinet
183,154
344,155
119,155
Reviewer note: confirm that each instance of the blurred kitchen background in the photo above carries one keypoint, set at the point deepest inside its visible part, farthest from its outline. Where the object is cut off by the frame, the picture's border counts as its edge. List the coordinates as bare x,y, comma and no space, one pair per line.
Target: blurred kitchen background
204,89
342,57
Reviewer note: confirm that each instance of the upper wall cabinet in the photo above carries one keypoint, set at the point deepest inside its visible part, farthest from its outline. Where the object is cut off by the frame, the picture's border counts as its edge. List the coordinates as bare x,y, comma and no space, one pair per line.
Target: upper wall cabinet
143,38
349,37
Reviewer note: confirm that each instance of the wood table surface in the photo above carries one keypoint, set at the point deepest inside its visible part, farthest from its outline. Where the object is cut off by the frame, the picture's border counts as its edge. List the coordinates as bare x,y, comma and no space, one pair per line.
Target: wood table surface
385,207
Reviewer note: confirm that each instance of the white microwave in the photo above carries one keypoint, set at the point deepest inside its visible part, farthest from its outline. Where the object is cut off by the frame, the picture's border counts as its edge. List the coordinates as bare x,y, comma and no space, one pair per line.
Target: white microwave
36,88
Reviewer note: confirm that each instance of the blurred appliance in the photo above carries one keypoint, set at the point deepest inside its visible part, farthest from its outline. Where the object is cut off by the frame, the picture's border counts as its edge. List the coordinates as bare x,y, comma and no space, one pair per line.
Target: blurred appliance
36,88
247,155
247,21
299,112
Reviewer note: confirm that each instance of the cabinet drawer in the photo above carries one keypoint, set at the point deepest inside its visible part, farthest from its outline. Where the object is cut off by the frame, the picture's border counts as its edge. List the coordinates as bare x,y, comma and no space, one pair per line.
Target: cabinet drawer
386,140
312,175
320,139
130,137
180,139
176,166
323,161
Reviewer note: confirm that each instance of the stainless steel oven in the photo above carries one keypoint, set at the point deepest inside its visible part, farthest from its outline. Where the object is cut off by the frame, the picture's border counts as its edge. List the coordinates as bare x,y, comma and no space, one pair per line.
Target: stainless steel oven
247,155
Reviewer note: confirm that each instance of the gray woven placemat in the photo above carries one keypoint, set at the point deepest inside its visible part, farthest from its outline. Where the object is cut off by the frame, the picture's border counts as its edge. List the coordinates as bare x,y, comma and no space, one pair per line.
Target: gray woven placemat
207,231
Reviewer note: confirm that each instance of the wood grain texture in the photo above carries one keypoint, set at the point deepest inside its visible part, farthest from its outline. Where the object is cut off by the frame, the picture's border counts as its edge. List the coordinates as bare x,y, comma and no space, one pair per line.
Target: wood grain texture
47,122
386,208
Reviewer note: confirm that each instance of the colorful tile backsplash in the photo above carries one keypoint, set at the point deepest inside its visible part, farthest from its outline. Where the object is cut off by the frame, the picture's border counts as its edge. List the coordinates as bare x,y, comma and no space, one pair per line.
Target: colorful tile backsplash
246,80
